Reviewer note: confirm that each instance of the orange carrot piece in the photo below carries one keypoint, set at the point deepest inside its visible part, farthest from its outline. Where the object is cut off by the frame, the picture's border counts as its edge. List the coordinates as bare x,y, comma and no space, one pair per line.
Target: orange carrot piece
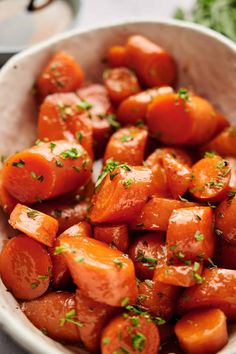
102,273
94,316
61,74
41,227
127,145
224,143
225,219
122,333
7,202
190,235
155,214
210,179
217,290
121,195
202,331
55,315
116,56
181,119
153,64
120,83
115,235
25,267
46,171
222,123
225,254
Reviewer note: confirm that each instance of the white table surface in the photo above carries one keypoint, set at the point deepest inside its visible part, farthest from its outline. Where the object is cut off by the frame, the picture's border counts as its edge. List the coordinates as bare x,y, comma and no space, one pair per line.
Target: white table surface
97,12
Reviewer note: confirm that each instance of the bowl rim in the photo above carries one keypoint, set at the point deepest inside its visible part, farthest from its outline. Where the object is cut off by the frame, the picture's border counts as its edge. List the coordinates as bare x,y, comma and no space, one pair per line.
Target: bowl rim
7,321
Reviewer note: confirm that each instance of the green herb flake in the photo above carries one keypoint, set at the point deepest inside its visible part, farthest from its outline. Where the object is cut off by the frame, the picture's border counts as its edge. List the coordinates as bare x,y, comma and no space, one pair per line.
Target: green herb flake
138,341
184,94
79,260
198,278
19,164
125,302
210,154
43,277
126,138
32,214
199,236
52,146
76,168
34,285
221,164
79,137
118,262
85,164
59,163
70,317
106,341
127,182
71,153
149,283
34,175
158,321
112,120
84,104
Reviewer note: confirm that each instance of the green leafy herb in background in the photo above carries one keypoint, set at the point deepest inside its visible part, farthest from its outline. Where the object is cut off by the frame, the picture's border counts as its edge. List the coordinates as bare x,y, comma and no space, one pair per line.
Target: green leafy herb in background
220,15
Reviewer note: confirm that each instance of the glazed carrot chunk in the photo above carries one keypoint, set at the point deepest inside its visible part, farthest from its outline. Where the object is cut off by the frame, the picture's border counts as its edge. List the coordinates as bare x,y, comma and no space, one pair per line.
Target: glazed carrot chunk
155,214
7,202
202,331
25,267
39,226
62,74
121,194
190,234
64,116
100,113
115,235
127,145
66,213
134,108
116,56
104,274
61,277
120,83
158,298
225,254
55,315
153,64
94,316
178,175
180,275
232,165
147,252
181,119
130,335
217,290
210,179
46,171
222,123
225,219
224,143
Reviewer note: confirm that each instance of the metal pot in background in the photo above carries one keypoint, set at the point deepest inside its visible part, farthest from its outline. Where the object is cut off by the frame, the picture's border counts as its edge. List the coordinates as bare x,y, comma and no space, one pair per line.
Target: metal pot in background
24,23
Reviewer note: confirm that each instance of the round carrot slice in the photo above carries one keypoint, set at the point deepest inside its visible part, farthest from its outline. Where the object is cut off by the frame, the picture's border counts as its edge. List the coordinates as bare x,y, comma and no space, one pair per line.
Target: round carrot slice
210,179
120,83
55,315
25,267
225,219
130,334
202,331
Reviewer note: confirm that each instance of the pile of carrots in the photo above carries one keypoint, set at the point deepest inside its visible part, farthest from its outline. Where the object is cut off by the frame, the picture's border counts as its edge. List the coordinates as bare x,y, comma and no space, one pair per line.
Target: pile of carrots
143,259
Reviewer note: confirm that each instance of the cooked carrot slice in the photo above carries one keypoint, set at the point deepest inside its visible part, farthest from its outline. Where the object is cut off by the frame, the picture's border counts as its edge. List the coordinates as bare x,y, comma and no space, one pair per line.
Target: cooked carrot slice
222,123
39,226
134,108
116,56
25,267
64,116
120,83
190,235
181,119
115,235
179,275
178,175
225,254
94,316
224,143
100,113
122,194
202,331
55,315
61,277
225,219
217,290
66,213
232,165
158,298
104,274
7,202
153,64
62,74
127,145
147,252
130,335
46,170
155,214
210,179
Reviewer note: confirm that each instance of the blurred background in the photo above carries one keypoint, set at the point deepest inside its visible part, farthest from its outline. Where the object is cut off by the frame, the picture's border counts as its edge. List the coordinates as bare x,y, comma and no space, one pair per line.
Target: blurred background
24,23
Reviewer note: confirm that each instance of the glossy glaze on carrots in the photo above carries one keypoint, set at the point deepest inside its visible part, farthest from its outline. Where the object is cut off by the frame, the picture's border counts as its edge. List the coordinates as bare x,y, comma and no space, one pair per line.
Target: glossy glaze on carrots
141,257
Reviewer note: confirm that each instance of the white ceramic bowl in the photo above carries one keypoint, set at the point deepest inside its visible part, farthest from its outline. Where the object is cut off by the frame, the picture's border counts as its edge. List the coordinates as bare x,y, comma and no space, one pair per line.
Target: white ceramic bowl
206,61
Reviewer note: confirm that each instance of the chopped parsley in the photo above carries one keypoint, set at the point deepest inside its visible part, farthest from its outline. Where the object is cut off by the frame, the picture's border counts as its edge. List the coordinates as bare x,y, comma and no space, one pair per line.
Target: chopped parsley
144,259
112,120
76,168
32,213
79,260
126,138
184,94
110,166
84,104
37,177
118,262
199,236
19,164
210,154
125,302
70,153
59,163
52,146
106,341
79,137
71,318
127,183
138,341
